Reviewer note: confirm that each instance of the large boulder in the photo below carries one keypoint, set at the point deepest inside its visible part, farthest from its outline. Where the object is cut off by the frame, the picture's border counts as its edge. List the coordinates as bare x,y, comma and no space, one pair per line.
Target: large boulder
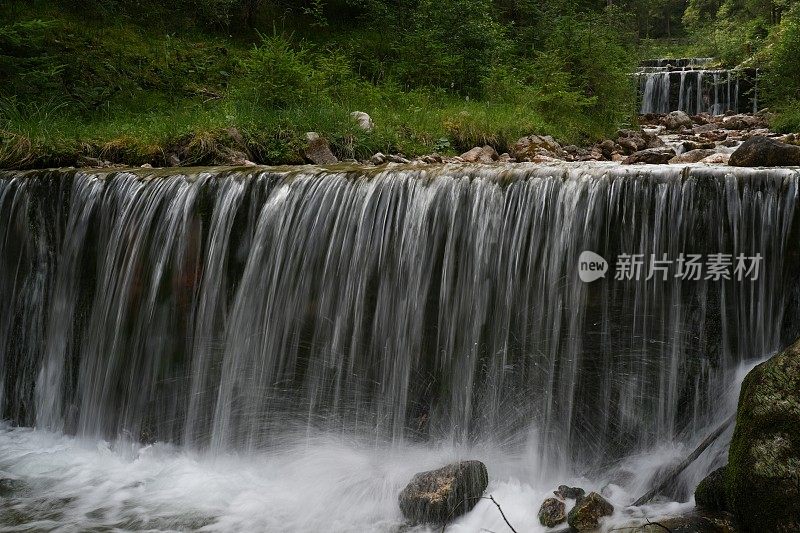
763,474
678,120
654,156
527,148
438,496
586,514
760,151
710,494
317,150
552,512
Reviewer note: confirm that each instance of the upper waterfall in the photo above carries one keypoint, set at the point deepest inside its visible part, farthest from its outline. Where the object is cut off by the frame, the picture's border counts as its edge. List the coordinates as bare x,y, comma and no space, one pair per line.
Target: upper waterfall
695,86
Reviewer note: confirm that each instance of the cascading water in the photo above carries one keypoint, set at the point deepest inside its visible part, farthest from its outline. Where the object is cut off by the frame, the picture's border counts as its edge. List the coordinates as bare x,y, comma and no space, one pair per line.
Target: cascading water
298,343
689,85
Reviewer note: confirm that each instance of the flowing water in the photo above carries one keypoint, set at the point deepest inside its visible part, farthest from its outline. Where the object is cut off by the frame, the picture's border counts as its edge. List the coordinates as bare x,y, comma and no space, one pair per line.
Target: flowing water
691,86
282,349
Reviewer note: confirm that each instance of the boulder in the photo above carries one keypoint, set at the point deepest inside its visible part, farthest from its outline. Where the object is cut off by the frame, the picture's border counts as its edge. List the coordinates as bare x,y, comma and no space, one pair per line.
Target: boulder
678,120
586,514
529,147
378,159
654,156
317,150
438,496
763,474
762,151
607,148
569,493
552,512
692,156
710,493
481,154
363,120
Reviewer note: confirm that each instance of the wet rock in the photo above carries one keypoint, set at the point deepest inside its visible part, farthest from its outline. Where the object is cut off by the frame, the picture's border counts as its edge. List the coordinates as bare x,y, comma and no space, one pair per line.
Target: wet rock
10,487
378,159
586,514
552,512
763,479
480,154
438,496
569,493
505,157
173,160
710,493
363,120
692,156
697,522
529,147
317,150
655,156
689,145
432,159
678,120
146,165
717,159
760,151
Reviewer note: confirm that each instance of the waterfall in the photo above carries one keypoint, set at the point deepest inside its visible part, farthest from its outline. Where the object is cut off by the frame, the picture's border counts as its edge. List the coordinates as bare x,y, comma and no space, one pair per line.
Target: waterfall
700,88
230,311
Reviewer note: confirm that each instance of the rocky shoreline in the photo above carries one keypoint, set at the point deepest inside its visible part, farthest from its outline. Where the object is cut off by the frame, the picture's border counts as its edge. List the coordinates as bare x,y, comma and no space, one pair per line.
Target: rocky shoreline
674,138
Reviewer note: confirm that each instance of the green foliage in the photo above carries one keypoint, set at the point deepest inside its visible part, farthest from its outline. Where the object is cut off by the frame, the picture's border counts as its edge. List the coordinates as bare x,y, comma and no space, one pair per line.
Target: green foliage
782,76
274,74
452,45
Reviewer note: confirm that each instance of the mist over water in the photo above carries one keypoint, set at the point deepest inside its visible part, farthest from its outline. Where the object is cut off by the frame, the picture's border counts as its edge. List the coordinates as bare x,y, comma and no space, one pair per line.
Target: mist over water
282,350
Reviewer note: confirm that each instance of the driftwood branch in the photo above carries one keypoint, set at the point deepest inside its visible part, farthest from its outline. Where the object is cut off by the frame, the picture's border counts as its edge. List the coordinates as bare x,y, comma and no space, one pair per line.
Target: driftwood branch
675,471
444,526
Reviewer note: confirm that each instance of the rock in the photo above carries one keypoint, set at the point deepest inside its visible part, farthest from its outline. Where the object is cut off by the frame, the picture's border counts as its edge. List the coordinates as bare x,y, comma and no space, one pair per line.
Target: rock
363,120
717,159
763,475
432,159
678,120
146,165
505,157
742,122
569,493
586,514
552,512
696,522
485,154
529,147
438,496
762,151
173,160
317,150
607,148
392,158
710,493
9,487
93,162
655,156
689,145
378,159
692,156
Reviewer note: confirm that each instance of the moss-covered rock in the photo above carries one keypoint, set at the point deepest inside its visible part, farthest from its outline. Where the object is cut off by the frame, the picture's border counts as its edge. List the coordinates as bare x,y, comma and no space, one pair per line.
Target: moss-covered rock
586,514
552,512
763,474
711,492
438,496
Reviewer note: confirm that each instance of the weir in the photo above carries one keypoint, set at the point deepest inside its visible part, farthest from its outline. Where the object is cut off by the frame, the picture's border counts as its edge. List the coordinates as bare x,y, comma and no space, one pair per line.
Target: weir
227,310
694,87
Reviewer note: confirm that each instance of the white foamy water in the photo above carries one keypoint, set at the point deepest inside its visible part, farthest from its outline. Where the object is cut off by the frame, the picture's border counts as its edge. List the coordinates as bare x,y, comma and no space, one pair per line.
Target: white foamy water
323,483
